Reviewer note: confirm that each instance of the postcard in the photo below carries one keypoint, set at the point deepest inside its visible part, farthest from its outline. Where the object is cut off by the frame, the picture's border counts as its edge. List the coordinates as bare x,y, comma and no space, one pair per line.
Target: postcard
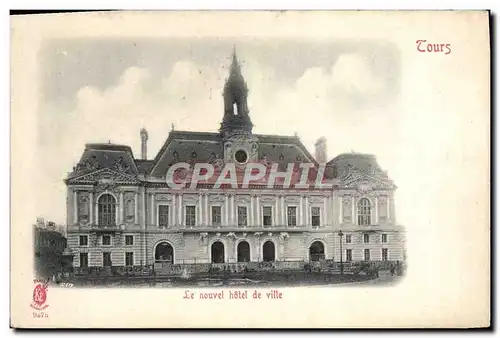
250,169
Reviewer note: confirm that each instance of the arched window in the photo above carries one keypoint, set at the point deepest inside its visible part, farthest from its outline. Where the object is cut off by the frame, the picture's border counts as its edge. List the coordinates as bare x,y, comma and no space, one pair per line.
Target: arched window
107,210
364,212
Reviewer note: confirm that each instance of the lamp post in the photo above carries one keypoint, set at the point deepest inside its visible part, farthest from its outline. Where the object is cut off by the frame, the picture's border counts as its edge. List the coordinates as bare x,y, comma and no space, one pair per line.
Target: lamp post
341,234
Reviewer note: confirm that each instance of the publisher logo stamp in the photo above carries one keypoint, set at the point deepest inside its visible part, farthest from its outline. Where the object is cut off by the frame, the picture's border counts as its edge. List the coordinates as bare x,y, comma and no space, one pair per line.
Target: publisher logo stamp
40,295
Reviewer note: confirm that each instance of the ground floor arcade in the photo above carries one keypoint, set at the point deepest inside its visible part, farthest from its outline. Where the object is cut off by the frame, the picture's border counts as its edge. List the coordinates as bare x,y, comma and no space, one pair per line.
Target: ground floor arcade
191,248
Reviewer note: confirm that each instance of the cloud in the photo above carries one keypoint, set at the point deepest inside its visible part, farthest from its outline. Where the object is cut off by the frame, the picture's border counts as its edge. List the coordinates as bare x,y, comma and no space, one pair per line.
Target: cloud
317,104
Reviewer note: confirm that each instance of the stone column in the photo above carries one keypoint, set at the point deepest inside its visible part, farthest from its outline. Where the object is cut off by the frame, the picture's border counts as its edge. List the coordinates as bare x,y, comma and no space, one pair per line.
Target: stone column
120,209
250,215
75,206
153,221
174,211
341,209
258,222
136,208
226,210
207,213
325,210
283,212
301,212
143,207
179,211
91,207
199,220
231,209
306,212
277,211
353,210
376,210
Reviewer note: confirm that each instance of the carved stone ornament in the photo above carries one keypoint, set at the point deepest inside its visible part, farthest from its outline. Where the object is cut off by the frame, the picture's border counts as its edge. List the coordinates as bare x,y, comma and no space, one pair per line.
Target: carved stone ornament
216,161
163,197
203,237
120,166
89,164
217,198
257,234
284,236
231,235
365,187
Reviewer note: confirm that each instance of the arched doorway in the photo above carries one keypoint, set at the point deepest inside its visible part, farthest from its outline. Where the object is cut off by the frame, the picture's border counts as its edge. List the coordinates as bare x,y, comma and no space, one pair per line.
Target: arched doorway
243,252
316,251
217,252
164,253
268,252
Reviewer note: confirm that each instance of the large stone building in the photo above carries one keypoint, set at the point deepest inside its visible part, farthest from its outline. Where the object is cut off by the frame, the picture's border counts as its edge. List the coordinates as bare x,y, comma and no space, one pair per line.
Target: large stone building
121,211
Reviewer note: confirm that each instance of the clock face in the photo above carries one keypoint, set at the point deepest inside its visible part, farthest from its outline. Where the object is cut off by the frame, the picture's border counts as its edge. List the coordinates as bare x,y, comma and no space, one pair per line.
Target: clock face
241,156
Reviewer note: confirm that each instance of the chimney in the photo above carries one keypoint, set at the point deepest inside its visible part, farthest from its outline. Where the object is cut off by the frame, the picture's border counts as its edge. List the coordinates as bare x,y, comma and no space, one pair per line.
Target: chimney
144,144
320,147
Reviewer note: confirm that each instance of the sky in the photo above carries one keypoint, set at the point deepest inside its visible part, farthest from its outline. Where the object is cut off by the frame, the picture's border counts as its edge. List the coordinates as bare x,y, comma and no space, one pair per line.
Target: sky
106,90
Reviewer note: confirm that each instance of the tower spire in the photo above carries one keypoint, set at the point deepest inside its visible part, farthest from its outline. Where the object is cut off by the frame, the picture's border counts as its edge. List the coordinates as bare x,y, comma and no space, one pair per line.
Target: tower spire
236,112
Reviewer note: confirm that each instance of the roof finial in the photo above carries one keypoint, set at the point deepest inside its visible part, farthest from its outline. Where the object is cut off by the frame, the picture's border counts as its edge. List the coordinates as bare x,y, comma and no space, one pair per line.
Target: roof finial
173,127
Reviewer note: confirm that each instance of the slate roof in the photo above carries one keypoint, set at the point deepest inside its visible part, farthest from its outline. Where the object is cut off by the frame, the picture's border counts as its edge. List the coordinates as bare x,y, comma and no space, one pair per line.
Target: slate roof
143,166
105,155
346,162
188,146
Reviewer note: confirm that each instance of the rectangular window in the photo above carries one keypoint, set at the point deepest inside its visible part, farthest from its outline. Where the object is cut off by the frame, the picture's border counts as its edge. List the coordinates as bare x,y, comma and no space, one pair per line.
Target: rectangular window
384,254
242,216
348,255
163,215
190,215
348,239
84,240
292,216
84,259
216,215
367,254
267,216
106,259
366,238
129,258
129,240
315,216
106,240
384,238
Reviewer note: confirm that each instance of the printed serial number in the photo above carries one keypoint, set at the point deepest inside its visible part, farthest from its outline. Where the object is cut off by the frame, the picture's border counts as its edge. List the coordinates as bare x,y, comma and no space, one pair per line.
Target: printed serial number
66,285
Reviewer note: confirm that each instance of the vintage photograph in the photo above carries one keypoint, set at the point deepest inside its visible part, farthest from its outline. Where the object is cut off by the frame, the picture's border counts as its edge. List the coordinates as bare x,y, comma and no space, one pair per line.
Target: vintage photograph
218,160
192,188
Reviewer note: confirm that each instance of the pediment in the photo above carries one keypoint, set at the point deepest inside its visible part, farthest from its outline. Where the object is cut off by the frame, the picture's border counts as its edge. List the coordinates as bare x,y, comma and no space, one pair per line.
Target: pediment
365,183
104,177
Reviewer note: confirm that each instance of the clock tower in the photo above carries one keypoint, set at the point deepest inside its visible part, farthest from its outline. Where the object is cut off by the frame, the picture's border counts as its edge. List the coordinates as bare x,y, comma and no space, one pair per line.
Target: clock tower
240,146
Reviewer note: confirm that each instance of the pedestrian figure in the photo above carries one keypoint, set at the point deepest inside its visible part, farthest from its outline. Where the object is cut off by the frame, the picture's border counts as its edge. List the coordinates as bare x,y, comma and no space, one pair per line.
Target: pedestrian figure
392,269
